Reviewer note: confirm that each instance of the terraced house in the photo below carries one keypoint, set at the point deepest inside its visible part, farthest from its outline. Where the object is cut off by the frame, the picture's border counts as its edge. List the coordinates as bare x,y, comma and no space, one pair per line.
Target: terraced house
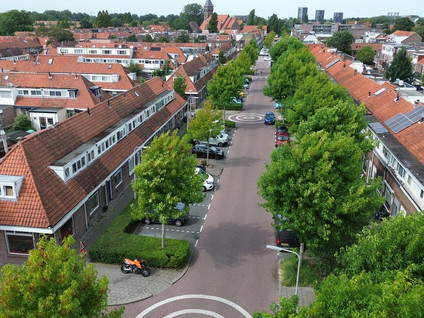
396,123
59,180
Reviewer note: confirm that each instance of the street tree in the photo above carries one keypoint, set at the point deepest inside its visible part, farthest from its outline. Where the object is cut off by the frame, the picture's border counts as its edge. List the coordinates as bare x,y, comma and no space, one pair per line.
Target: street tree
289,72
342,41
404,24
252,49
366,55
206,124
269,39
132,38
285,44
394,245
85,23
243,62
316,186
401,67
180,86
54,282
14,20
213,23
251,18
226,84
165,177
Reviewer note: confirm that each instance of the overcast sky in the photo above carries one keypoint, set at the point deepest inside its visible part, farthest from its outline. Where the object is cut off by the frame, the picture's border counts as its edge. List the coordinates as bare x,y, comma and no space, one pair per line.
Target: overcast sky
263,8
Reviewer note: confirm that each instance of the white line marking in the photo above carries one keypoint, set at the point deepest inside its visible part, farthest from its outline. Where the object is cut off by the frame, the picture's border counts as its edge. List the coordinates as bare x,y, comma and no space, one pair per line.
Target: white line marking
209,206
194,311
205,217
212,197
201,228
195,244
195,296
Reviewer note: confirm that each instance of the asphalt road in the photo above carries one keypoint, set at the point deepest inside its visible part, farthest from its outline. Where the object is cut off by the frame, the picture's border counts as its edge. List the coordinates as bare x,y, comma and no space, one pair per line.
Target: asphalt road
232,273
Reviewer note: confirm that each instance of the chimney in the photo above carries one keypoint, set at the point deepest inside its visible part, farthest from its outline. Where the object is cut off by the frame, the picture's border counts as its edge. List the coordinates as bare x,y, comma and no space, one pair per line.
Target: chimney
88,111
108,104
50,76
369,94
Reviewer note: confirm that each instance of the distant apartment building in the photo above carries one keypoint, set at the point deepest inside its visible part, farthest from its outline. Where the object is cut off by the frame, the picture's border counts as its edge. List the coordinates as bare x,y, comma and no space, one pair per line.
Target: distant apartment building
319,15
338,17
302,14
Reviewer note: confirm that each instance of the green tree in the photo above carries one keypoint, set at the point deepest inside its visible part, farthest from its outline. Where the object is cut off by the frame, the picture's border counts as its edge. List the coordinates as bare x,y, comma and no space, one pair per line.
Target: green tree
163,39
285,309
397,295
404,24
165,177
135,68
103,19
420,30
401,67
274,24
13,21
191,12
366,55
251,18
285,44
269,39
221,57
252,49
213,23
180,86
393,245
316,186
116,22
127,18
132,38
243,62
148,38
61,35
206,124
85,23
54,282
342,41
22,122
225,85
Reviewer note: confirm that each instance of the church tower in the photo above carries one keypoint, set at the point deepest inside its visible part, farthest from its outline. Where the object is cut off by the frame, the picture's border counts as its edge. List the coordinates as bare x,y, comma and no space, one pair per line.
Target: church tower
208,9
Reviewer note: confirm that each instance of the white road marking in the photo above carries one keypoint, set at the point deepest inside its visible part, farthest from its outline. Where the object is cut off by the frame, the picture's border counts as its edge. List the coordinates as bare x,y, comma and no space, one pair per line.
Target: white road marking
205,217
201,228
195,244
195,296
194,311
209,206
212,197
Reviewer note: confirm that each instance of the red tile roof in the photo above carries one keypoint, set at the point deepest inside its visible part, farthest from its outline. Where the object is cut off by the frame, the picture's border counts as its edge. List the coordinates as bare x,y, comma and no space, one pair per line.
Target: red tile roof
383,106
44,198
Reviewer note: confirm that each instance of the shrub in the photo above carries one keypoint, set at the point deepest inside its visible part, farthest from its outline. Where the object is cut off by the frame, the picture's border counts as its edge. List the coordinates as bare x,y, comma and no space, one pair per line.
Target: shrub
22,122
118,242
230,124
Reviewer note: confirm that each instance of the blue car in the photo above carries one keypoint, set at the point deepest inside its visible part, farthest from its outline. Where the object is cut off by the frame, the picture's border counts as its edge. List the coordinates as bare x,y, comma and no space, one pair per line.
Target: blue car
278,105
269,118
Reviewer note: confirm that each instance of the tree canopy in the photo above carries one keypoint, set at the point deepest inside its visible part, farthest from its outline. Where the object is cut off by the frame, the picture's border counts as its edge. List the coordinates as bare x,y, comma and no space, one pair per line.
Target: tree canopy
191,12
251,18
404,24
213,23
54,282
165,177
401,67
342,41
366,55
13,21
180,85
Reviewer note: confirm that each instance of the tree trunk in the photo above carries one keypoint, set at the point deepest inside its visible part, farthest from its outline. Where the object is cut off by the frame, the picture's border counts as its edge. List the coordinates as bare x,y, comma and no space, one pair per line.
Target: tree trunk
163,235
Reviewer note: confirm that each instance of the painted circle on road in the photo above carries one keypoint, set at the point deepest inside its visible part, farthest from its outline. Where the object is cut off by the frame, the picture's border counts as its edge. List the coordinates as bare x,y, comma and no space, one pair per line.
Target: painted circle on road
246,118
227,302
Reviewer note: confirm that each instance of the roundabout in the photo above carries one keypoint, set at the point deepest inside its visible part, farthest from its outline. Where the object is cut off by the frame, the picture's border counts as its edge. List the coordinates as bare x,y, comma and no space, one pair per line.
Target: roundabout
246,118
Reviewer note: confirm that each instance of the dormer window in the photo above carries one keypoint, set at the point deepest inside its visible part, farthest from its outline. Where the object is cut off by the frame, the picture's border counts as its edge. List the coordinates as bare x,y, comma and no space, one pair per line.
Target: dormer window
10,187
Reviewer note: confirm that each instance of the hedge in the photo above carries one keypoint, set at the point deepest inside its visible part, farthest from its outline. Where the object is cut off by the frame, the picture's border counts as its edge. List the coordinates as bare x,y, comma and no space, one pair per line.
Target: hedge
118,242
232,106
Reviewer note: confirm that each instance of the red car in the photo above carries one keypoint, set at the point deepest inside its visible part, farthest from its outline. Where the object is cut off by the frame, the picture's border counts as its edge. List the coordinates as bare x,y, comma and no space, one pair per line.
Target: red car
281,138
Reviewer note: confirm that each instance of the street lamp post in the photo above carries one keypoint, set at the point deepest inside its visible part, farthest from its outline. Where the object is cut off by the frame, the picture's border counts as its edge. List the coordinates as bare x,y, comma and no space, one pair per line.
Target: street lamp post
279,249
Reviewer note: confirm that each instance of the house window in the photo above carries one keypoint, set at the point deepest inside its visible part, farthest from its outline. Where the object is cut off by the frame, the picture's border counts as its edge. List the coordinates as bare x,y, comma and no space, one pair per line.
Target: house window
422,194
66,229
409,179
50,121
78,51
92,203
92,51
117,177
388,201
400,170
131,165
107,52
20,243
121,52
66,173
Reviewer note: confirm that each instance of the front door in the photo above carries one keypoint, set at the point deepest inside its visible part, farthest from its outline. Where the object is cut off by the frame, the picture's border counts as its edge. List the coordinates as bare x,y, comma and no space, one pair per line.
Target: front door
108,192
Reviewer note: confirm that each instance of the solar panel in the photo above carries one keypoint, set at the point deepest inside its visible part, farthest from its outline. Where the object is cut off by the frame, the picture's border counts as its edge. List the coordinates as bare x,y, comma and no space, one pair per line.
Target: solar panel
398,123
378,128
332,63
416,114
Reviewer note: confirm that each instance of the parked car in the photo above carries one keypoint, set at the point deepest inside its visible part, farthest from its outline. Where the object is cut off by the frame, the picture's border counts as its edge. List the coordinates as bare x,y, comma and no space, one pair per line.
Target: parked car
285,238
208,181
269,118
282,139
246,86
237,100
201,151
278,105
221,141
177,222
282,130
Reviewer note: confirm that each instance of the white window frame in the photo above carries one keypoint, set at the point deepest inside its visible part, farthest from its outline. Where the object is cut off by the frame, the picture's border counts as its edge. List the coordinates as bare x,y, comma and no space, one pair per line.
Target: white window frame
14,233
96,194
115,175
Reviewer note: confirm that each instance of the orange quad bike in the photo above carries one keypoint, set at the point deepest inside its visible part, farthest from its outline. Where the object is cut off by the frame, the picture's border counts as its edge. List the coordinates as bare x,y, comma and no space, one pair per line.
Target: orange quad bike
137,266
